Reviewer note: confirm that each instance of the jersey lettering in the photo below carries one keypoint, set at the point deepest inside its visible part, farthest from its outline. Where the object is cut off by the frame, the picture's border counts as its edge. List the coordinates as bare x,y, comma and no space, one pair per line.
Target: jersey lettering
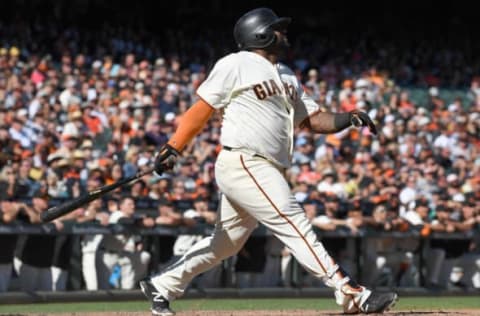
275,88
265,84
259,91
269,88
290,91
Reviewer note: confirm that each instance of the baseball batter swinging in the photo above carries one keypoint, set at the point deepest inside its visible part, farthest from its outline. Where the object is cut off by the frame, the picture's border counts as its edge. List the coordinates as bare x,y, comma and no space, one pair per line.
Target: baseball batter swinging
262,102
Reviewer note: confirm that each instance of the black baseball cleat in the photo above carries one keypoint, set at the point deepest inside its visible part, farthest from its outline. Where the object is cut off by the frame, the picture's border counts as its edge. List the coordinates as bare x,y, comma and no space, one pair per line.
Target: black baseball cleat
160,305
379,302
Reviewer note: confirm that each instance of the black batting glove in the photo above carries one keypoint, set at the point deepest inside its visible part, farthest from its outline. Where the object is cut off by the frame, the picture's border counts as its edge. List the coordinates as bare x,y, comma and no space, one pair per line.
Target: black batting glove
359,119
166,158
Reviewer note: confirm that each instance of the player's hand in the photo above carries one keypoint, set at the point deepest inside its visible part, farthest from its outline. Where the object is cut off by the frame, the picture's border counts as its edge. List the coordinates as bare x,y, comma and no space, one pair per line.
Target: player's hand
165,159
360,119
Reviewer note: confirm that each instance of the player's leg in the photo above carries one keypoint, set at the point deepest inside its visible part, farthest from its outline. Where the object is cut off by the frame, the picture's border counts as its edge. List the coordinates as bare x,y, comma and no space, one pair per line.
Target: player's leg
89,270
28,276
232,229
91,261
45,279
5,276
59,278
106,263
476,274
435,258
265,193
142,261
127,270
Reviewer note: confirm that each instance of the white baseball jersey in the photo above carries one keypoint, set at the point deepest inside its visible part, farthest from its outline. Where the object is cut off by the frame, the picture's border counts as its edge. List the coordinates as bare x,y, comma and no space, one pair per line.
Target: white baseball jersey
261,102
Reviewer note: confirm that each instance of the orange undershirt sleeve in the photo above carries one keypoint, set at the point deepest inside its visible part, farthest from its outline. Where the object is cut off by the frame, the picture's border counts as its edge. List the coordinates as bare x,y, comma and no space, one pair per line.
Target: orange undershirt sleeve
191,124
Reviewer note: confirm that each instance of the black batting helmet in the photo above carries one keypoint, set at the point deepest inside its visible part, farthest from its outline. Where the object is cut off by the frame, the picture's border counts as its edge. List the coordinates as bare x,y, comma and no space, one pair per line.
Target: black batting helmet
255,29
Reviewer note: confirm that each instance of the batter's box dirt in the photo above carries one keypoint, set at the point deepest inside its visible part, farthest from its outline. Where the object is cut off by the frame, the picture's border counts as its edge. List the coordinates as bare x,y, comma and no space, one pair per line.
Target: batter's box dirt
463,312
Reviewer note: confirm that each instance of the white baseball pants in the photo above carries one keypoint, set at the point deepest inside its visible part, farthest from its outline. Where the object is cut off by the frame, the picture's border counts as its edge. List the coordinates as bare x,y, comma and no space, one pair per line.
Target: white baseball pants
254,190
89,270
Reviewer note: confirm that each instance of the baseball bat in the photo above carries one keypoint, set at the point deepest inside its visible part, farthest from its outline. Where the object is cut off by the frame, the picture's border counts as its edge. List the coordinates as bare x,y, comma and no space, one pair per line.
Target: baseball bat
67,207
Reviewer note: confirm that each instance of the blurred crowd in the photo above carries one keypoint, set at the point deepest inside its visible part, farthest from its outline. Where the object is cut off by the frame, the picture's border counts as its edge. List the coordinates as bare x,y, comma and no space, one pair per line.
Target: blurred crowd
81,109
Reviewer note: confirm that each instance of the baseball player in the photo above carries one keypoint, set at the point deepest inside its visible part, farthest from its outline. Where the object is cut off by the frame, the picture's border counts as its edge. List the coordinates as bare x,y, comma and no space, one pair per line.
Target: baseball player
262,102
123,249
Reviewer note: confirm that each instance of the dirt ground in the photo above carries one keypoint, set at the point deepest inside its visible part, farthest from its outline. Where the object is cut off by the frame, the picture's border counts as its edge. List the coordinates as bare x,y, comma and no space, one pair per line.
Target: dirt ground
464,312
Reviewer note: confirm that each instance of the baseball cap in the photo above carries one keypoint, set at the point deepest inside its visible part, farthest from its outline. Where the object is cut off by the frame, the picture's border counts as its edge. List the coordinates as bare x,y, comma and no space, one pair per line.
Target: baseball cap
308,201
159,61
54,156
14,51
200,198
87,143
124,104
165,202
421,202
139,86
328,172
75,115
143,161
453,107
389,118
423,121
301,196
433,91
304,160
459,197
97,64
312,72
22,112
421,110
63,162
441,208
169,117
452,177
361,104
78,154
157,178
331,198
301,141
362,83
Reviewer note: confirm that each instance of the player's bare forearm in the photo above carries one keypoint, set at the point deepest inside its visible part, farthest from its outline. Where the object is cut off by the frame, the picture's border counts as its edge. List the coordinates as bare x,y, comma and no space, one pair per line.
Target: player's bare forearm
326,122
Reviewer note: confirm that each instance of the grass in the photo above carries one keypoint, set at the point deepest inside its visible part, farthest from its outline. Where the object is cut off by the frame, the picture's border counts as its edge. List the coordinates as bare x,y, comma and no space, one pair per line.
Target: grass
407,303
